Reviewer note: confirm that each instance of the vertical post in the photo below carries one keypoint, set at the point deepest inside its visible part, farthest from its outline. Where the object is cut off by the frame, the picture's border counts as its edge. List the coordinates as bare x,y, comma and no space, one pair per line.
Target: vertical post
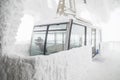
100,35
0,44
95,39
85,1
55,38
68,34
63,40
94,53
72,5
93,31
85,39
61,6
46,40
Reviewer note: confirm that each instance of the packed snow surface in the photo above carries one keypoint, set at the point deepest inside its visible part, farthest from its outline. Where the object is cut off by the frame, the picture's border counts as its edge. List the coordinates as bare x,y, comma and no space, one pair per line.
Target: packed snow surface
75,64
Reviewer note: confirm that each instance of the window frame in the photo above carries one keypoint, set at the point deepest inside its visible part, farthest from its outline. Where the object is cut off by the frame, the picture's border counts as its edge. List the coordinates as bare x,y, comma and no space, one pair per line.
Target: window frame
69,25
85,32
46,33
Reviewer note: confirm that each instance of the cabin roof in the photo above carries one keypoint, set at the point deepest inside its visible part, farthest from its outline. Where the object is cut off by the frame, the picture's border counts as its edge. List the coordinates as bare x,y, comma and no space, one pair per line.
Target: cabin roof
64,21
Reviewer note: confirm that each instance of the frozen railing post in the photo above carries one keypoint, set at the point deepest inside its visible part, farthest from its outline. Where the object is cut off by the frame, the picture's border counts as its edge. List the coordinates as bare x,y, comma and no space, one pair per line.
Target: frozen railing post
11,13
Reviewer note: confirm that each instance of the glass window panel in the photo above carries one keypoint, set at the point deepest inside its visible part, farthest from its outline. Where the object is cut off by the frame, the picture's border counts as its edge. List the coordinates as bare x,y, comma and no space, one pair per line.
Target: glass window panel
93,36
77,36
97,39
37,45
93,42
56,27
88,36
41,28
56,39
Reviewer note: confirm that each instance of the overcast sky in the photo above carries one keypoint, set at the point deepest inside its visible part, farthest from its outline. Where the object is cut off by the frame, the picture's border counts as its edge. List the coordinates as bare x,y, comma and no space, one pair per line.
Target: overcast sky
102,13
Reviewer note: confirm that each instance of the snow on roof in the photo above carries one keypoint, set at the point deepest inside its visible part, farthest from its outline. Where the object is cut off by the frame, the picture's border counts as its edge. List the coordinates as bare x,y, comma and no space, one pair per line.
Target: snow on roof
53,21
80,21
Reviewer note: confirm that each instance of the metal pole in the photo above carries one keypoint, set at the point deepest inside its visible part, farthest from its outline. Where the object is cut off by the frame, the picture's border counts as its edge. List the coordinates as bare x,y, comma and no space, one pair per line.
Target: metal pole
85,39
46,36
69,35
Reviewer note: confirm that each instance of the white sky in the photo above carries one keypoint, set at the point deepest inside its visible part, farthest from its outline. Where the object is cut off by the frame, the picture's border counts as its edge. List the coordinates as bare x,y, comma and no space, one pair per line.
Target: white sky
111,29
25,28
42,10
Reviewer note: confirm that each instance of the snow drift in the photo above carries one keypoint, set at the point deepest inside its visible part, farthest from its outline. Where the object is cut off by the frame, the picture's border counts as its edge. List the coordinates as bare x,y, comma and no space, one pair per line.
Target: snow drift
59,66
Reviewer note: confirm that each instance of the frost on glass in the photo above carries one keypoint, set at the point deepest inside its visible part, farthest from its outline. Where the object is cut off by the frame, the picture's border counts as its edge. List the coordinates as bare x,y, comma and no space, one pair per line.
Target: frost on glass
77,36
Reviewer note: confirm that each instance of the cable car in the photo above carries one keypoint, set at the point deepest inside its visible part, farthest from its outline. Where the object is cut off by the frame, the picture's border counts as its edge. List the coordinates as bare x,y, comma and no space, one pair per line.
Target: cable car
49,38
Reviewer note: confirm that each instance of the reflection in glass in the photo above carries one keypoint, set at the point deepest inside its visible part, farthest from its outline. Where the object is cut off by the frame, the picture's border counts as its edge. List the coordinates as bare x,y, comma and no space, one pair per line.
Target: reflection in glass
47,43
38,39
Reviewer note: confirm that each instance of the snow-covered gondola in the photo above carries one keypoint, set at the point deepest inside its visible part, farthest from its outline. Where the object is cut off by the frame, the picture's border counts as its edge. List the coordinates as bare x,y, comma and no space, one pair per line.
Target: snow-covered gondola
59,35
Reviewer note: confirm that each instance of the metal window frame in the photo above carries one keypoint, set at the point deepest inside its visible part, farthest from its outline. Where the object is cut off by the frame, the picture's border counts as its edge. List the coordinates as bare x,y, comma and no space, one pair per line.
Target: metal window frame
100,37
94,47
50,30
68,30
46,36
68,34
53,30
85,32
46,33
59,23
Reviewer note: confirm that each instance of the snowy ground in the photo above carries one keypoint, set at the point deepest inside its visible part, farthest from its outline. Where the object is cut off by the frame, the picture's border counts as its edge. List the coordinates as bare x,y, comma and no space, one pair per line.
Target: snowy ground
104,66
75,64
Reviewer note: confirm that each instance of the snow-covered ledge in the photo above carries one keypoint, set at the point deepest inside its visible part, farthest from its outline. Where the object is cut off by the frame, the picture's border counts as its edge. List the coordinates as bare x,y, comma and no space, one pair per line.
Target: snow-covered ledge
64,65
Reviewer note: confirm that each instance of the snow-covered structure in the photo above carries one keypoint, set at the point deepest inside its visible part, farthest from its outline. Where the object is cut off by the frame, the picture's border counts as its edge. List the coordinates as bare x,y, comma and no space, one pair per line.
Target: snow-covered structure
14,67
67,65
10,14
64,34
